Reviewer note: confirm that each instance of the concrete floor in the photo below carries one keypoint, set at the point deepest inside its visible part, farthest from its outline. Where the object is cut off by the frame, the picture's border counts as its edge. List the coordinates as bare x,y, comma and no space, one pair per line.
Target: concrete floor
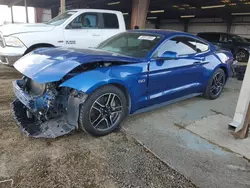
193,137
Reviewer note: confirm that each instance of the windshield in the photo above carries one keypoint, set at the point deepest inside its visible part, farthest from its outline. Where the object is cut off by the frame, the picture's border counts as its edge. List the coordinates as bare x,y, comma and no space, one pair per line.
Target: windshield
60,19
131,44
238,38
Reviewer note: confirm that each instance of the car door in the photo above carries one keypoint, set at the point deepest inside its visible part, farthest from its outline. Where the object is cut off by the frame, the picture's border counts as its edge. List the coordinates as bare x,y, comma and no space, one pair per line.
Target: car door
179,77
84,31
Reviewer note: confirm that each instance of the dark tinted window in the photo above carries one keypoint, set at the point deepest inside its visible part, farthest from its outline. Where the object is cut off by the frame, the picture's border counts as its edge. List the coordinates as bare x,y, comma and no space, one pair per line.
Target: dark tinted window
224,38
110,21
201,46
180,45
211,37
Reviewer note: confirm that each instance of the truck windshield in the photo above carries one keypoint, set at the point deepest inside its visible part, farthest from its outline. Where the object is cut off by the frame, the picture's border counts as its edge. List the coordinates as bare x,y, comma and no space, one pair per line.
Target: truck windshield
60,19
134,44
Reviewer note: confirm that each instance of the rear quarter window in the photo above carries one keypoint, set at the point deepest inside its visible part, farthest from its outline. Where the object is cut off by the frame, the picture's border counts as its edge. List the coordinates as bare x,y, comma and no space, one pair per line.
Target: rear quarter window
110,21
201,46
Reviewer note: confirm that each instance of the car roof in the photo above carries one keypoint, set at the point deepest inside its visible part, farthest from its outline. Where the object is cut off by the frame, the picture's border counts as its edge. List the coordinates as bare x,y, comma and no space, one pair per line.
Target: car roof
215,33
165,33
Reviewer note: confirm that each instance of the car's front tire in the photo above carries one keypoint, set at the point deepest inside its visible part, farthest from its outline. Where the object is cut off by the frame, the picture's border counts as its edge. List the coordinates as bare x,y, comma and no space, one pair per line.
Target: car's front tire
103,111
215,85
242,56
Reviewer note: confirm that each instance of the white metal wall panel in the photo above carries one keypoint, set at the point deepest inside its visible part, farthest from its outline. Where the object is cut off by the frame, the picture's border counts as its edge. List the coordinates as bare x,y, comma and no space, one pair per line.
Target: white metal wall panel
241,29
206,27
150,25
173,26
210,25
46,15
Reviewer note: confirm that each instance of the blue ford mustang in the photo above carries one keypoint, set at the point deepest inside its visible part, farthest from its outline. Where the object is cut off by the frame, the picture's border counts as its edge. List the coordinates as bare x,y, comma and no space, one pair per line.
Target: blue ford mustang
95,89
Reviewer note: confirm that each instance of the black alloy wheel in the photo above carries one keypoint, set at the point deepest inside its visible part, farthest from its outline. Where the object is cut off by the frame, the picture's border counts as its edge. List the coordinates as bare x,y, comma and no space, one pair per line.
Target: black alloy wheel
103,111
216,84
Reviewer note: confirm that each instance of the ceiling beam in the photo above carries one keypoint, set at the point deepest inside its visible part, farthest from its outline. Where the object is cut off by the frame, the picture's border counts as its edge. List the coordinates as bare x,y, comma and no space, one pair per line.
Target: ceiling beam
14,2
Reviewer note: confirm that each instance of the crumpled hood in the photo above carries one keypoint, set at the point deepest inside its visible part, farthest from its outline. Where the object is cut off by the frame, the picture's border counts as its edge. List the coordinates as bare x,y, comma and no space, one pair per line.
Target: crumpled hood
52,64
12,29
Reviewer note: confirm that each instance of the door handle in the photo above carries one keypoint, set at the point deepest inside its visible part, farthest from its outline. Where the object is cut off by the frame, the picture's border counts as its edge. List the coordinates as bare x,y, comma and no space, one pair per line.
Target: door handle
197,62
200,59
96,35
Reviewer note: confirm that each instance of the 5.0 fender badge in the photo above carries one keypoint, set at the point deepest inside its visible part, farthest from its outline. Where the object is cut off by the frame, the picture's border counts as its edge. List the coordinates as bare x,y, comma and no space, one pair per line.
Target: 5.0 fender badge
141,81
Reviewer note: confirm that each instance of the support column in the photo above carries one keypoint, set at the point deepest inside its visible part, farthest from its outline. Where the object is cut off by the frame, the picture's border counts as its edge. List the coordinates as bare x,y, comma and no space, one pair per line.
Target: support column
63,8
54,12
186,23
11,12
139,13
26,11
241,117
39,15
229,25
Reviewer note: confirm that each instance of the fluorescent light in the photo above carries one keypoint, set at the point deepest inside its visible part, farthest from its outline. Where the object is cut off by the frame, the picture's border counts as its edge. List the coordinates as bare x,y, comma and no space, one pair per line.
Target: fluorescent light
114,3
188,16
125,13
156,11
213,6
240,13
150,18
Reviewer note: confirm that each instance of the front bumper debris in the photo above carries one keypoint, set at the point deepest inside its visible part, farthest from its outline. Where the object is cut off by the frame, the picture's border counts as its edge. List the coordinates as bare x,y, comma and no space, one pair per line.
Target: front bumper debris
33,126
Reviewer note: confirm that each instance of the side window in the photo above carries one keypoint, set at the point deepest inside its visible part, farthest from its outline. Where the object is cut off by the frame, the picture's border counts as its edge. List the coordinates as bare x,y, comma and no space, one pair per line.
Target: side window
110,21
201,46
180,45
86,20
223,38
211,37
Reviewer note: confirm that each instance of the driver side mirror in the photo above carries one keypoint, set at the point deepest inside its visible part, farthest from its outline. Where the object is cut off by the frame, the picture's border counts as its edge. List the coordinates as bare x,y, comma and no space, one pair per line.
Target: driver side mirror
168,55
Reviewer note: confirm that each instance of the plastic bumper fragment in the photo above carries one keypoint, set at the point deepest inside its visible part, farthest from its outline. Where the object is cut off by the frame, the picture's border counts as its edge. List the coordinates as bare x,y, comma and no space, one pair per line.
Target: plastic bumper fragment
35,128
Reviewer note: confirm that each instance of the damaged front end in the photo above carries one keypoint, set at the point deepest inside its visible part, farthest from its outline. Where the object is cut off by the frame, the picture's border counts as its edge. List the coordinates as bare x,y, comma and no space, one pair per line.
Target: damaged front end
46,110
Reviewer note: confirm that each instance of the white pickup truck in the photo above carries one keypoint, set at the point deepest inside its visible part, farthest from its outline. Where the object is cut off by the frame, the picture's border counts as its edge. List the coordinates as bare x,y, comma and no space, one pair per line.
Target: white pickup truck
80,28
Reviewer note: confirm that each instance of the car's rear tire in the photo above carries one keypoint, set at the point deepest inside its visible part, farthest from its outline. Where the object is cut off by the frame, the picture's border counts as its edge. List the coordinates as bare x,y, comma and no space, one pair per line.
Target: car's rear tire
103,111
215,85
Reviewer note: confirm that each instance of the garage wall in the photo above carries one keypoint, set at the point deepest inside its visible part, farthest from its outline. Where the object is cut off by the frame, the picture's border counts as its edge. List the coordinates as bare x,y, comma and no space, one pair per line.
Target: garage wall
172,25
149,25
210,25
207,25
42,15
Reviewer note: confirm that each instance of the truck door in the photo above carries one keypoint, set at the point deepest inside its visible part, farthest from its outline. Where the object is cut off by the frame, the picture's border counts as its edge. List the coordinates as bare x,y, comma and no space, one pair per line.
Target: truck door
84,31
111,25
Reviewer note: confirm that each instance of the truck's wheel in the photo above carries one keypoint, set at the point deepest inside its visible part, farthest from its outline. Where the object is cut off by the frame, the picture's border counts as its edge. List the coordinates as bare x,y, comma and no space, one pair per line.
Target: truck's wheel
103,111
37,47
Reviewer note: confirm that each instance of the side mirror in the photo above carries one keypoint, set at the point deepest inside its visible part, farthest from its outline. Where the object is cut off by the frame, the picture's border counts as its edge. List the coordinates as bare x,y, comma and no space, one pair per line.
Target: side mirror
75,26
168,55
